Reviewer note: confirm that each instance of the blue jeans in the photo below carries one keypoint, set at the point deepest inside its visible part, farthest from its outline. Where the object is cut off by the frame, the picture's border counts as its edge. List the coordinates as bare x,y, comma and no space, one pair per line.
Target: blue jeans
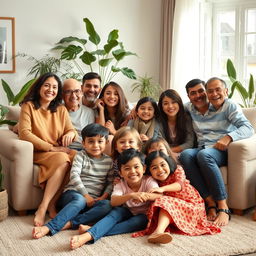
119,221
91,215
71,203
201,166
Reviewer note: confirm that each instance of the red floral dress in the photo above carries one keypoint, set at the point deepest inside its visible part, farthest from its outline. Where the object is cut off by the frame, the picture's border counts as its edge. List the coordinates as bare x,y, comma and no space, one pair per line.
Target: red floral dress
186,209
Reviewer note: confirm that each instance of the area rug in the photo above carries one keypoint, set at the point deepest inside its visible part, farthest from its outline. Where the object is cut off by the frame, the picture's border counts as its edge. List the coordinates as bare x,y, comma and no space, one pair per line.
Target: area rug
239,237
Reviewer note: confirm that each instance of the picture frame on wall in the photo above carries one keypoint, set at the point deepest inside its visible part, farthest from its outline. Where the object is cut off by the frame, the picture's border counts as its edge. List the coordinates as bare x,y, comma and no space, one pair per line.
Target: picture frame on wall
7,45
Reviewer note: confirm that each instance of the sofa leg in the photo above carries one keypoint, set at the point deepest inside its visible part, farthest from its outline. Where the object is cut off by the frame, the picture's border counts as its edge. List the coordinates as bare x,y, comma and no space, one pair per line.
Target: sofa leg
22,213
238,212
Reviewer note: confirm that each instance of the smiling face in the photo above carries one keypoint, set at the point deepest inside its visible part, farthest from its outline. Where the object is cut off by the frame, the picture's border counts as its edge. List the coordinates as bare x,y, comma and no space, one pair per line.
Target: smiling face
197,96
91,89
94,146
216,93
159,169
146,111
170,107
110,96
72,94
48,91
132,171
125,142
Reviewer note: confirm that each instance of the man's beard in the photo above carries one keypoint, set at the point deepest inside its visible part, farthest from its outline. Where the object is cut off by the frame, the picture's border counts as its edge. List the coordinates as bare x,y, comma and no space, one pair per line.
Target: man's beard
90,99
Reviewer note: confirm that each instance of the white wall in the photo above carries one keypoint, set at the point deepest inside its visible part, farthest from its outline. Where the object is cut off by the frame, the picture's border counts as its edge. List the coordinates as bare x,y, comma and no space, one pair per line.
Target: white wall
40,24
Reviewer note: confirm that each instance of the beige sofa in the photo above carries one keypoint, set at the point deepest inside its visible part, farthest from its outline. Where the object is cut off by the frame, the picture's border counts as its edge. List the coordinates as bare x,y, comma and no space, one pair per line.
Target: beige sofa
24,193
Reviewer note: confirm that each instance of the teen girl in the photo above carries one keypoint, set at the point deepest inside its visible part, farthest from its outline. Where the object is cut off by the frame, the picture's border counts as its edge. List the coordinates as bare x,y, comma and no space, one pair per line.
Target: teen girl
181,209
176,123
147,120
130,199
112,107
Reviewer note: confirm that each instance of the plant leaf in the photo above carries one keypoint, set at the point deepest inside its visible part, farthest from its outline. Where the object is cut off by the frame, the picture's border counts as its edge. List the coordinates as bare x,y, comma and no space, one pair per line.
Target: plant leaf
8,91
231,70
113,35
233,87
99,52
93,36
59,47
251,87
128,72
19,97
9,122
87,58
71,52
115,69
105,62
119,54
111,44
70,39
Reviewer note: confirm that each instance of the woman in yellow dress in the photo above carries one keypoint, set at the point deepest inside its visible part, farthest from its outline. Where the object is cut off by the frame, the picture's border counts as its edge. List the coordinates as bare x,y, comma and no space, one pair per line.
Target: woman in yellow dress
45,122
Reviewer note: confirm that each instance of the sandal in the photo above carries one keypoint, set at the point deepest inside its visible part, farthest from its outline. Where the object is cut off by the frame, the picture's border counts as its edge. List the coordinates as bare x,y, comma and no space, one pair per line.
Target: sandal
211,207
227,211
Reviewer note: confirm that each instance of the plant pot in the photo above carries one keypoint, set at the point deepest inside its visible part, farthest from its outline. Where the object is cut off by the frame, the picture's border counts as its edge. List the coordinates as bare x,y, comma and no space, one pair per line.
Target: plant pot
3,204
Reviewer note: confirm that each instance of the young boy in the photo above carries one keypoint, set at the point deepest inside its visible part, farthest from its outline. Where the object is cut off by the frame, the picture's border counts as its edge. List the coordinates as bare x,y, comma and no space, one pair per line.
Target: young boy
131,197
89,186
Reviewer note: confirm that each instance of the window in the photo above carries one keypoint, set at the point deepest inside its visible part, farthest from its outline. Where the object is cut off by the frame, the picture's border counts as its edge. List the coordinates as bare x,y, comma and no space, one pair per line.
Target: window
233,32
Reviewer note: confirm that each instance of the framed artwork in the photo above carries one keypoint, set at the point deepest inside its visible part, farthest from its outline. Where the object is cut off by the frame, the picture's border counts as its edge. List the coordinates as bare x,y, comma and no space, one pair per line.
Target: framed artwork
7,45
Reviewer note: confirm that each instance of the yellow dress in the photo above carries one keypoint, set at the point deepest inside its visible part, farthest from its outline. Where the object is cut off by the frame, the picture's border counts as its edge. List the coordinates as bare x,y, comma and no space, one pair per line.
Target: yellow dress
45,130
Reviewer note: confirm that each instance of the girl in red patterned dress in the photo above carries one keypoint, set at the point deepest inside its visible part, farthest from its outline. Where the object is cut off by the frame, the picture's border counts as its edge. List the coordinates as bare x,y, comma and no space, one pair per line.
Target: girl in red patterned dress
181,209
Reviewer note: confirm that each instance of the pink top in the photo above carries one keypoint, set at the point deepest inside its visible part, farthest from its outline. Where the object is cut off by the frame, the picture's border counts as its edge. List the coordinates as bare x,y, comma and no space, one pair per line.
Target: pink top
122,188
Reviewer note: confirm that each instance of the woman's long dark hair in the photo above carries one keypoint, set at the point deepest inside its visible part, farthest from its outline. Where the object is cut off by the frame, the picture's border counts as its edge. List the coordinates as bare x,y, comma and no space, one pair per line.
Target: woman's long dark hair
33,94
122,107
181,118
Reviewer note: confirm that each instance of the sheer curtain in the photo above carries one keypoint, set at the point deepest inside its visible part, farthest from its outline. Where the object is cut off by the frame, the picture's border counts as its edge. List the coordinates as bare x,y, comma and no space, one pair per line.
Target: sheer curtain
166,43
185,45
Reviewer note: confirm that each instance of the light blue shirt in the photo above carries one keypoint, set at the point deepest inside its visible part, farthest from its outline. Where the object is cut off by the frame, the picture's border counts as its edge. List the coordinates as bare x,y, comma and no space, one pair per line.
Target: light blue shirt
215,124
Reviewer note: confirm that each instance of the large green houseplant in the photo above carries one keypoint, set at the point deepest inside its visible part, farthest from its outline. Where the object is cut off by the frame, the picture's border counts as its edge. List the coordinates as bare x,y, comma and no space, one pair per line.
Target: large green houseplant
12,100
247,94
104,60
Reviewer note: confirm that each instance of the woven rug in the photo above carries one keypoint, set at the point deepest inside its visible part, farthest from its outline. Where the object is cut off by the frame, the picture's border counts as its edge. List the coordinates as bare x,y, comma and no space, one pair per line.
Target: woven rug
239,237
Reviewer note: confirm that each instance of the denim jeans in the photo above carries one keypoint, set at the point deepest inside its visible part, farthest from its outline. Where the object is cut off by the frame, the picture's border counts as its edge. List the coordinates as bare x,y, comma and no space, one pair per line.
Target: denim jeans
119,221
91,215
201,166
71,203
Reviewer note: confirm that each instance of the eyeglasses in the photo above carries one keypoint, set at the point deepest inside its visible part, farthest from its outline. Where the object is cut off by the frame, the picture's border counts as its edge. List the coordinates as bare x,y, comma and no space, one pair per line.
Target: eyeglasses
70,92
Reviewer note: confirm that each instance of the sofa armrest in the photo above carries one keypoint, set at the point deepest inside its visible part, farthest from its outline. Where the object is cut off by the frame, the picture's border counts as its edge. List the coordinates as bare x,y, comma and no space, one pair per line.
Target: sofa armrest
242,173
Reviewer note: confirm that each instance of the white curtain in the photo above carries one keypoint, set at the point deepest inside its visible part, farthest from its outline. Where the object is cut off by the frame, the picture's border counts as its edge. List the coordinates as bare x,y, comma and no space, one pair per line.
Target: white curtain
185,45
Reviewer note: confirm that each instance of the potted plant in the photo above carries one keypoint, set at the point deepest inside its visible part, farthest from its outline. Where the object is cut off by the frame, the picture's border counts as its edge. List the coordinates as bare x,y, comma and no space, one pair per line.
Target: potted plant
247,95
104,60
147,87
3,198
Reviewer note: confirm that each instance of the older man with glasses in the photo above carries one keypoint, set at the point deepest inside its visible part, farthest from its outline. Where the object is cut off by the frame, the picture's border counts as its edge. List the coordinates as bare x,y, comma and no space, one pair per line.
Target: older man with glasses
80,115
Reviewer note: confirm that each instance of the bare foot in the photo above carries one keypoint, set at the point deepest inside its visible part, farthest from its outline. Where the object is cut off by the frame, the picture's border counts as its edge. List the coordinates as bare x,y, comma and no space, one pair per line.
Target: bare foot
78,241
223,217
39,217
211,213
39,232
83,228
67,226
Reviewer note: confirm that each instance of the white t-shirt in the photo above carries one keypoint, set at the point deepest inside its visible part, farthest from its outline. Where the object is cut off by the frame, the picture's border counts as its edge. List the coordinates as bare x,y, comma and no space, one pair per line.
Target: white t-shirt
80,118
122,188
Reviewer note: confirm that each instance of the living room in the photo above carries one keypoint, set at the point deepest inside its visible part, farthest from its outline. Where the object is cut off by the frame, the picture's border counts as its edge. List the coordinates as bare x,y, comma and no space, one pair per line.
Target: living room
40,25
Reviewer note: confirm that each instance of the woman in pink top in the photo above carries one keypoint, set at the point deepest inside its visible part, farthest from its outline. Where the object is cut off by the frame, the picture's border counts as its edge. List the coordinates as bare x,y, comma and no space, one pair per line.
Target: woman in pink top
131,198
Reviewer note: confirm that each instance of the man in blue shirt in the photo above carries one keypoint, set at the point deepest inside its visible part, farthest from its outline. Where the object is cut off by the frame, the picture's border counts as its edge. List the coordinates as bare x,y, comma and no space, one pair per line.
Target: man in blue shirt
217,121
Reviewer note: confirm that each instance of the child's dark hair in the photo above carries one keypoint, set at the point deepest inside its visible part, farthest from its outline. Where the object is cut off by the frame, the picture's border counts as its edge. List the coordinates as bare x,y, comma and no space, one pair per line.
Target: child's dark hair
92,130
153,155
152,101
128,155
